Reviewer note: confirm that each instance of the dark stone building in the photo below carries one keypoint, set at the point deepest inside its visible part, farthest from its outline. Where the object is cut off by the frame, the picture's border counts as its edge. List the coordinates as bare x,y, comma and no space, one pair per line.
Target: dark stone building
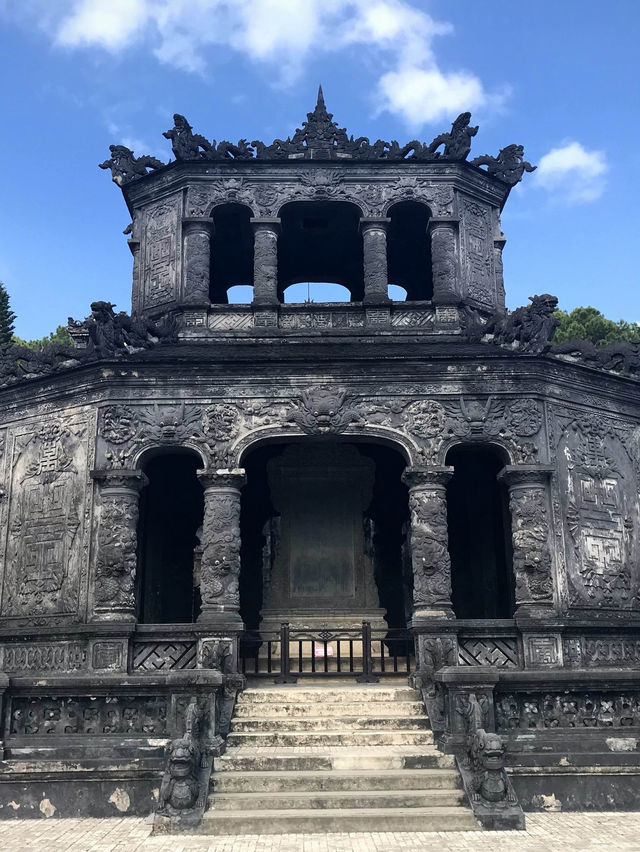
185,480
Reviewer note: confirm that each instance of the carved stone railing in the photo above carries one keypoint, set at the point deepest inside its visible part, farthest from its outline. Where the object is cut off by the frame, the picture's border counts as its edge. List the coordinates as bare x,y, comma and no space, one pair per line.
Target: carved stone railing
341,318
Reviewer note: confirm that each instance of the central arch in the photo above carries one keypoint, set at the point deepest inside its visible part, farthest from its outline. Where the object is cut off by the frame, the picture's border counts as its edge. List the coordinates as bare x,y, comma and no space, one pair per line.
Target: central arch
323,530
321,242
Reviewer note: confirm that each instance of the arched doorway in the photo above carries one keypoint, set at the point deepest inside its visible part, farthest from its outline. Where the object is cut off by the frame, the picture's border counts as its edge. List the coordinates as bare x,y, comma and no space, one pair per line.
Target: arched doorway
321,242
171,514
409,250
479,534
231,251
323,525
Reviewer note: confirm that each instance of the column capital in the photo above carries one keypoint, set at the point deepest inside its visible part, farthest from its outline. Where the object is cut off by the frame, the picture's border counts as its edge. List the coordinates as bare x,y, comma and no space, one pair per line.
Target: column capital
525,475
198,223
222,480
120,479
374,223
427,477
266,223
442,222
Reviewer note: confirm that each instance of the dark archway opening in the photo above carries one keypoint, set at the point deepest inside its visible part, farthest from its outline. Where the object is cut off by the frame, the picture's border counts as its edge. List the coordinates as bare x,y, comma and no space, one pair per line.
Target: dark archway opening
320,241
380,528
231,251
171,514
409,250
479,535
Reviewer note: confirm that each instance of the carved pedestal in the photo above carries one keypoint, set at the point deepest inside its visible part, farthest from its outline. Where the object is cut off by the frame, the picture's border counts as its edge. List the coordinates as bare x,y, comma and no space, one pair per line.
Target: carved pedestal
429,541
374,245
447,286
116,544
220,565
265,260
197,233
530,527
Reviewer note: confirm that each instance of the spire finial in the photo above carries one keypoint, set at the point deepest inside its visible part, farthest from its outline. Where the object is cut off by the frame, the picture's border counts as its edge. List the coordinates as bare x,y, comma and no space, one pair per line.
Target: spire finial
320,102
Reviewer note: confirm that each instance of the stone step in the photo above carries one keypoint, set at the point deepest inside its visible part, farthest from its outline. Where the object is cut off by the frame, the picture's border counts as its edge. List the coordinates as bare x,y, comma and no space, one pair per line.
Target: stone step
310,821
321,723
298,739
281,760
397,709
323,695
326,800
318,781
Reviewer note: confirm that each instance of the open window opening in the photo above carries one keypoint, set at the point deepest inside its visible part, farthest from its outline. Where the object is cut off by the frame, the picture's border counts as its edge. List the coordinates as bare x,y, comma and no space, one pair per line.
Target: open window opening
320,242
409,250
171,515
240,294
231,252
396,293
314,291
479,535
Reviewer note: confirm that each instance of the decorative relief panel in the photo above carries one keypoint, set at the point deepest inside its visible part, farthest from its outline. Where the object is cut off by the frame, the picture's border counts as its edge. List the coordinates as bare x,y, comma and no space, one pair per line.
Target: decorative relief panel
532,711
163,656
599,505
49,507
477,252
604,651
161,253
43,657
512,422
499,652
100,715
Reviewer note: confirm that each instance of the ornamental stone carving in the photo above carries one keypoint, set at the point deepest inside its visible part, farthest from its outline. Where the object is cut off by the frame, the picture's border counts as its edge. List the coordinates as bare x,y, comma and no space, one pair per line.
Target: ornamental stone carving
116,544
324,410
220,564
429,541
530,526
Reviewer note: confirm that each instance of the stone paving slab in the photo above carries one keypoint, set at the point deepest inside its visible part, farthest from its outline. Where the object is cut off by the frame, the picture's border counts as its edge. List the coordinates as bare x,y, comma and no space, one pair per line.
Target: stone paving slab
604,831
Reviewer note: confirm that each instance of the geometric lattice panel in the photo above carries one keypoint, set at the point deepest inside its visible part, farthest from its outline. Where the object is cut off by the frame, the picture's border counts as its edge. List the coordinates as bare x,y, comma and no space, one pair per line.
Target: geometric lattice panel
159,656
502,653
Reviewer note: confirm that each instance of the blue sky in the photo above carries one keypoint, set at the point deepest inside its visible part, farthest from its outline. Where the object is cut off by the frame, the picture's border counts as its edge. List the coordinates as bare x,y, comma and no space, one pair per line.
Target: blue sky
558,77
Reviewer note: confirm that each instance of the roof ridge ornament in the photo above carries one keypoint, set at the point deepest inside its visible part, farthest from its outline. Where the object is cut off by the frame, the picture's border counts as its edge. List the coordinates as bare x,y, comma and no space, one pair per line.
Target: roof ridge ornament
320,138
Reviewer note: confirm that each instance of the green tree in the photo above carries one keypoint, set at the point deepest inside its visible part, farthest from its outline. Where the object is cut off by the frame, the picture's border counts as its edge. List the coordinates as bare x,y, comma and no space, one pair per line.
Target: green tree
60,335
7,318
589,324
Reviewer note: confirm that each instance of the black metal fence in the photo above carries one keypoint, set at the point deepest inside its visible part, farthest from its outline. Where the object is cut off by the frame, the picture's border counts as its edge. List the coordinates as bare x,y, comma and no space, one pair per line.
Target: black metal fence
360,653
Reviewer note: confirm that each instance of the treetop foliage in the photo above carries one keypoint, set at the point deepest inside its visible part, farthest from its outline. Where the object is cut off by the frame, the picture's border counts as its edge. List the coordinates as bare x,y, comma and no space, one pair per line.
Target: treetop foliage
589,324
60,335
7,318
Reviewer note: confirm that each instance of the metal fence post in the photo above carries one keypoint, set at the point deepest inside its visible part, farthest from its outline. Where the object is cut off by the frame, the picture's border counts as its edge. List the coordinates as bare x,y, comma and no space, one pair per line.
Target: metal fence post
367,675
285,663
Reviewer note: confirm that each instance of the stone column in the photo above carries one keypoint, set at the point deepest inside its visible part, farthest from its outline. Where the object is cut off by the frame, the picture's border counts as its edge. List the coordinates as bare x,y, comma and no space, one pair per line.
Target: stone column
265,260
443,232
196,233
220,565
498,245
530,530
374,245
429,541
116,544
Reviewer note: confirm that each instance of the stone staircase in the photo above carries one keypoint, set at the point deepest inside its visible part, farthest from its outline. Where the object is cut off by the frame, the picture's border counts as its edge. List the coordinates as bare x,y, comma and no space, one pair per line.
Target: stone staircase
327,758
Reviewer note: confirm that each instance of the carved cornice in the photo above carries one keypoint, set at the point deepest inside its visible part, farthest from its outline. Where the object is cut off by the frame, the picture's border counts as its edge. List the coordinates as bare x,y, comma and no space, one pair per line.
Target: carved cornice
120,479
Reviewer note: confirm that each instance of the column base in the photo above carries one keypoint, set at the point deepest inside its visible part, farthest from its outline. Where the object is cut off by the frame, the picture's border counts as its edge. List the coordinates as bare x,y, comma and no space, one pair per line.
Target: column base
221,620
428,615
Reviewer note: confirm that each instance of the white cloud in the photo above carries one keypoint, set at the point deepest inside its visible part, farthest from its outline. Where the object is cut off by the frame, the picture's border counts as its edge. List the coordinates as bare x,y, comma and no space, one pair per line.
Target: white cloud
572,173
397,34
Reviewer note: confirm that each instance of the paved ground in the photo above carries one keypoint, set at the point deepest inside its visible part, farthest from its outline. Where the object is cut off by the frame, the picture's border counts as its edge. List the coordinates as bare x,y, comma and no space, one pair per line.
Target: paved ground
605,831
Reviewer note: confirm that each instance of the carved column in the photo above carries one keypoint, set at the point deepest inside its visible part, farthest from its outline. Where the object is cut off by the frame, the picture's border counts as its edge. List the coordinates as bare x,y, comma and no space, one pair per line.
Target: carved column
498,245
116,544
429,541
443,233
265,260
197,233
530,529
220,565
374,246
